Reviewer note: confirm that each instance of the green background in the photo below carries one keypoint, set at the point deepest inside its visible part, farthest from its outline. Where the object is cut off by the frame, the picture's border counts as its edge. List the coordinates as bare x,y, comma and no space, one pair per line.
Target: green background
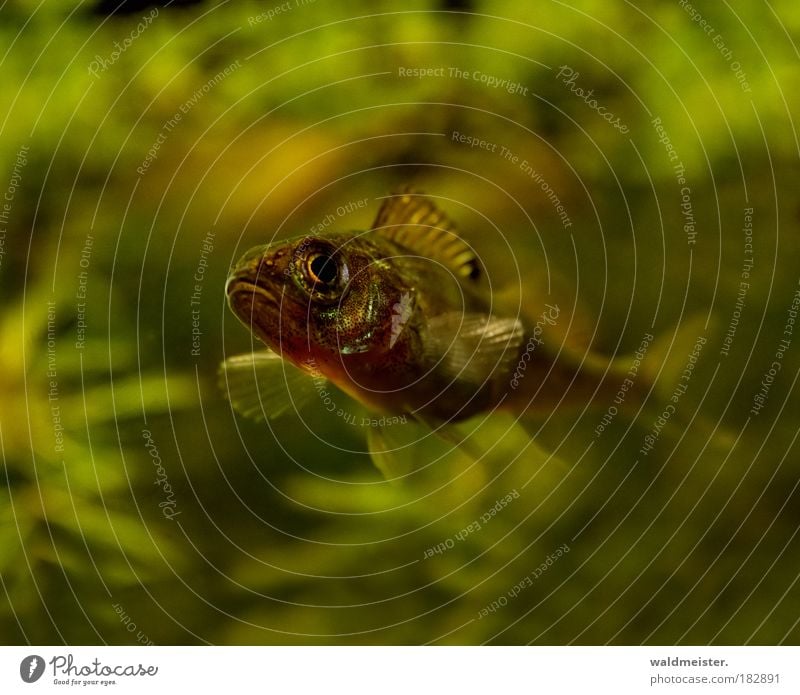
285,537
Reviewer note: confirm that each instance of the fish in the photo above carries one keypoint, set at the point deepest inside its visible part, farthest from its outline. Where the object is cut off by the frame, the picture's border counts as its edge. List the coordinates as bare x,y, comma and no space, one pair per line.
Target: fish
401,318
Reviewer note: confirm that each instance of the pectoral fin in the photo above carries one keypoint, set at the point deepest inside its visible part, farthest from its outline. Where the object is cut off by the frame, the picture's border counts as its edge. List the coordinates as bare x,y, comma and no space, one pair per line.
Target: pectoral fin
401,449
392,448
474,346
262,385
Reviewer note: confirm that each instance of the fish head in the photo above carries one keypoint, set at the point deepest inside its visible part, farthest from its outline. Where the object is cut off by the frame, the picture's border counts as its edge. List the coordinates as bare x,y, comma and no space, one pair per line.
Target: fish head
327,304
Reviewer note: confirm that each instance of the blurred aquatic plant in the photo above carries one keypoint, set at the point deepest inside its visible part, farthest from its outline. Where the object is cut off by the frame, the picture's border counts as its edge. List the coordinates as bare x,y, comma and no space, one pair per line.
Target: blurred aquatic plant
282,537
71,520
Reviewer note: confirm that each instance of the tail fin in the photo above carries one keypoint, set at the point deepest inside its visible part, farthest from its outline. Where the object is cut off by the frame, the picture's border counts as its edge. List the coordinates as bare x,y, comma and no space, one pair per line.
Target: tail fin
668,361
659,369
668,371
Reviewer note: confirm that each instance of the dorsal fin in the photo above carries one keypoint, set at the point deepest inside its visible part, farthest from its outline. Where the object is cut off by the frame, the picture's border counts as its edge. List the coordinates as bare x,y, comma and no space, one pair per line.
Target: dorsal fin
413,221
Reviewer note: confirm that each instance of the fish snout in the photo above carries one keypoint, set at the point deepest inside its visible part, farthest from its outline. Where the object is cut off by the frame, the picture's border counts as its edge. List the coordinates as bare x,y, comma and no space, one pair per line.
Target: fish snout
250,259
249,268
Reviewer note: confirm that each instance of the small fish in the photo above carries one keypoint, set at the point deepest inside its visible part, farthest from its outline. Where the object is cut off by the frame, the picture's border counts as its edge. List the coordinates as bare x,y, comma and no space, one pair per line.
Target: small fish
400,318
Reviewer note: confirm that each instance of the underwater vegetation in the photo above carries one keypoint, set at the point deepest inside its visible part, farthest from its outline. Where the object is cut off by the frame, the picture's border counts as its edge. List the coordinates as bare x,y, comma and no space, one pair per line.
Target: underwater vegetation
620,182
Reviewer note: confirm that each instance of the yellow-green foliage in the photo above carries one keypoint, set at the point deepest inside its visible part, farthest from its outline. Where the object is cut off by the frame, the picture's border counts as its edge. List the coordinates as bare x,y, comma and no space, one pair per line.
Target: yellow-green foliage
286,533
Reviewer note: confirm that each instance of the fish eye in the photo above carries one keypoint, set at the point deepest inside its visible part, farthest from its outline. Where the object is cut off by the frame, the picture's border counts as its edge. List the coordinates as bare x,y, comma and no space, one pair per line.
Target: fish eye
322,269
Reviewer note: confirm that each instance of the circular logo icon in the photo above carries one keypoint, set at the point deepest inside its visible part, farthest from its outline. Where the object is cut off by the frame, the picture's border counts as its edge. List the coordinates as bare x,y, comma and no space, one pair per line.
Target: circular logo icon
31,668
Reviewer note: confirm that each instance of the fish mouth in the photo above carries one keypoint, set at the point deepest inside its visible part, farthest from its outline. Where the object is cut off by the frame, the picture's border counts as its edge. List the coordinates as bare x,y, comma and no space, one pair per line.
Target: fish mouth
241,286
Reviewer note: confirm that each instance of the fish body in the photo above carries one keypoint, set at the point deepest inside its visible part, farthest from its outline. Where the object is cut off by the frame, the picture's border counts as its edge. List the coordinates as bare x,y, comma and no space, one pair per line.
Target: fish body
400,318
397,317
